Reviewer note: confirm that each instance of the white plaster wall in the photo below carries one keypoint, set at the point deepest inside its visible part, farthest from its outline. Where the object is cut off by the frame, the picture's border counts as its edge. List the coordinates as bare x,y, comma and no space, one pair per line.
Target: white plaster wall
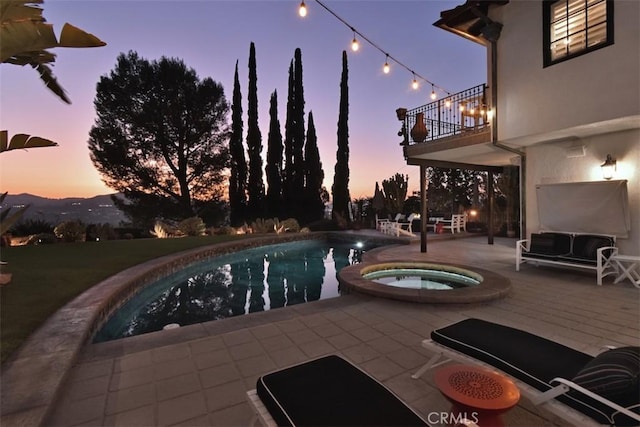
600,85
548,164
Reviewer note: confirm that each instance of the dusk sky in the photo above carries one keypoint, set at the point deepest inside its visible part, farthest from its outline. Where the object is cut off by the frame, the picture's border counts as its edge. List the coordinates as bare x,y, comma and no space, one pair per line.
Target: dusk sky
209,36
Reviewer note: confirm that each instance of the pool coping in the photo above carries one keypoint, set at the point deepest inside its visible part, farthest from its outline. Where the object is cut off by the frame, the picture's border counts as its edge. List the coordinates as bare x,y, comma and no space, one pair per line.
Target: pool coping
37,370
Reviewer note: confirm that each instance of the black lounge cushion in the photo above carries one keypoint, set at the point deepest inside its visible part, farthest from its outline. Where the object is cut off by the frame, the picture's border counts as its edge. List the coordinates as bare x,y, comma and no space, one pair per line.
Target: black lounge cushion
585,246
550,244
529,358
330,391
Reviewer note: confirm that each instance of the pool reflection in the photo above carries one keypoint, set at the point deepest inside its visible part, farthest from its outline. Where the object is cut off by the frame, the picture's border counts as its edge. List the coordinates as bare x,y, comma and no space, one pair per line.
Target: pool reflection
246,282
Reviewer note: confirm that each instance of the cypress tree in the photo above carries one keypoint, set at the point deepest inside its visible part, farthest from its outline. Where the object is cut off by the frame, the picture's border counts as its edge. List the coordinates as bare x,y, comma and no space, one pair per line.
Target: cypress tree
273,169
288,171
314,175
340,187
238,176
298,126
255,189
294,174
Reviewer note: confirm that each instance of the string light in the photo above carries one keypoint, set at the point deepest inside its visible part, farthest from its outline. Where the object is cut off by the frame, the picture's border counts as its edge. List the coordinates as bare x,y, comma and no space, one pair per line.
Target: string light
355,45
447,103
303,9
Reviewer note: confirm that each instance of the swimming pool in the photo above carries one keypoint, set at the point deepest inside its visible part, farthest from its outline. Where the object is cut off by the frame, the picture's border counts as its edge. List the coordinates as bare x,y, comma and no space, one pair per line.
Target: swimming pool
246,281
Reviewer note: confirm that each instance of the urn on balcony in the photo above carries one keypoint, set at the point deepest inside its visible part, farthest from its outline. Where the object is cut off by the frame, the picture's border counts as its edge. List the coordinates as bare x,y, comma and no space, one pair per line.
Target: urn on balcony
419,131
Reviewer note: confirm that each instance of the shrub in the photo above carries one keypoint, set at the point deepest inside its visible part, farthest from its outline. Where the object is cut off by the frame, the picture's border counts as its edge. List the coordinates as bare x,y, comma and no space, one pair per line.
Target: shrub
70,231
261,225
290,225
163,231
28,227
131,233
42,239
193,226
97,232
224,230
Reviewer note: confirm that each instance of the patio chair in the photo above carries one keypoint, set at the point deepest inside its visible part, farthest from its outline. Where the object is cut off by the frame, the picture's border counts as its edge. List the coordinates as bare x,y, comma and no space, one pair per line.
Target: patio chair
393,226
329,391
452,224
380,222
583,389
405,227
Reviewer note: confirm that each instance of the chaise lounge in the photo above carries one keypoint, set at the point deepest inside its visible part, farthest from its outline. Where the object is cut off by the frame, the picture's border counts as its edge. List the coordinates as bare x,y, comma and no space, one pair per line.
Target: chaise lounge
583,389
329,391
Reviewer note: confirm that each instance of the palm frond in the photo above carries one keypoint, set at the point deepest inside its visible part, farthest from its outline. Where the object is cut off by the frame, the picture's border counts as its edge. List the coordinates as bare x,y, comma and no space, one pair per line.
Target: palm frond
51,82
25,37
22,141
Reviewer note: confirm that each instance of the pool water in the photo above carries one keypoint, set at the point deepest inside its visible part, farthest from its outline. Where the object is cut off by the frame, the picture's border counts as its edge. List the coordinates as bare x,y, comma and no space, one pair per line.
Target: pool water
421,278
247,281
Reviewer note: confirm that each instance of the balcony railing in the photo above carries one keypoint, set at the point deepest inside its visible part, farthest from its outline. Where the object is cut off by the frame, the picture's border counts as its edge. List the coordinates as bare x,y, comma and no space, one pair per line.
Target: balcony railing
461,113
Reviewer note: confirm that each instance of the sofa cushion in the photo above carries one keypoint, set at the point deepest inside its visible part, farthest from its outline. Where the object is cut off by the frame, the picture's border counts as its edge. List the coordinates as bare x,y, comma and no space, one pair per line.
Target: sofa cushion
552,244
586,246
613,373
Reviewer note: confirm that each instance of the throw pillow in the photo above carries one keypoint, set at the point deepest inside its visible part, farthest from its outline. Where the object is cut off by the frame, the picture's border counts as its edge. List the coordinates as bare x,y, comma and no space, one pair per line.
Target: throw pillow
612,373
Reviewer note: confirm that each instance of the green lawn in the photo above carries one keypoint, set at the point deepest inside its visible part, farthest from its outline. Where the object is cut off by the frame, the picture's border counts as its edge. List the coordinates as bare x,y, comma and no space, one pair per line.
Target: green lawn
46,277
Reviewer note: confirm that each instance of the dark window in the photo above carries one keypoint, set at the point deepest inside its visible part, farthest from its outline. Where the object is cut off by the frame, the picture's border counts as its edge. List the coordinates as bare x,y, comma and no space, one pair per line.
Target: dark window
575,27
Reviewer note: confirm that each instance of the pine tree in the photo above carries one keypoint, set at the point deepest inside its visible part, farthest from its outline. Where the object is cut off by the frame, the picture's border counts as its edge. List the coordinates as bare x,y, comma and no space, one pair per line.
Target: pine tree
314,176
255,189
273,169
340,188
238,176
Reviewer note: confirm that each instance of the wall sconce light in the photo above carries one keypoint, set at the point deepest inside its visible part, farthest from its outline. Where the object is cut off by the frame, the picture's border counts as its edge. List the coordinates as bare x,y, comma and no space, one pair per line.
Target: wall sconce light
608,167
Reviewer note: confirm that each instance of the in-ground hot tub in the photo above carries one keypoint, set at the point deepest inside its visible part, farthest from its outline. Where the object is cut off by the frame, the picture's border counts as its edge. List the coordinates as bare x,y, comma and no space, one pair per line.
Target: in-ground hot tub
425,282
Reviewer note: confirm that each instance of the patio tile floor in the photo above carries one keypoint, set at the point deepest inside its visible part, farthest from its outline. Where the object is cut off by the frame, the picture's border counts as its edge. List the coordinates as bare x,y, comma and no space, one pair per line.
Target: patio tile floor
200,378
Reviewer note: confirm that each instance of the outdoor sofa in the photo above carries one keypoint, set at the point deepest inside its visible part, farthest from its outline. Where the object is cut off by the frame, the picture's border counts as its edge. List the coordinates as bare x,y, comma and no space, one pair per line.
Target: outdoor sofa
578,387
586,251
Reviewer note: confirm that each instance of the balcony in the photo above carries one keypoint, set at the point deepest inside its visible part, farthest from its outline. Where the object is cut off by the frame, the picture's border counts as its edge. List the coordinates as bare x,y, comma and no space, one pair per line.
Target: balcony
459,120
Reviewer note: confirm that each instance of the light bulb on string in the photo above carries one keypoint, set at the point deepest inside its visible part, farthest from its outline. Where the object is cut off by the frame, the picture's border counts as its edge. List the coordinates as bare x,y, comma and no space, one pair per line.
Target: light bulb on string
447,103
385,67
355,47
354,44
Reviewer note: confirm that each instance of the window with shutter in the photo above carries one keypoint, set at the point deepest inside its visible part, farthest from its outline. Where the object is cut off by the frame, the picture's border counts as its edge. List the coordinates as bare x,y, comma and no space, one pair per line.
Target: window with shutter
575,27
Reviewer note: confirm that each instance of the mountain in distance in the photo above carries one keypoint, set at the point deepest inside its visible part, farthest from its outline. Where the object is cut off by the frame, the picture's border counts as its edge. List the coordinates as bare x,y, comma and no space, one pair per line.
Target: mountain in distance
92,210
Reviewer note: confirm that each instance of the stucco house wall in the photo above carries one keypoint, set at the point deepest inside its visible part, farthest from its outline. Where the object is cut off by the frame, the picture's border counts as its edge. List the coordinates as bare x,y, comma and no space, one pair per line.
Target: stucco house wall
598,86
549,164
587,92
